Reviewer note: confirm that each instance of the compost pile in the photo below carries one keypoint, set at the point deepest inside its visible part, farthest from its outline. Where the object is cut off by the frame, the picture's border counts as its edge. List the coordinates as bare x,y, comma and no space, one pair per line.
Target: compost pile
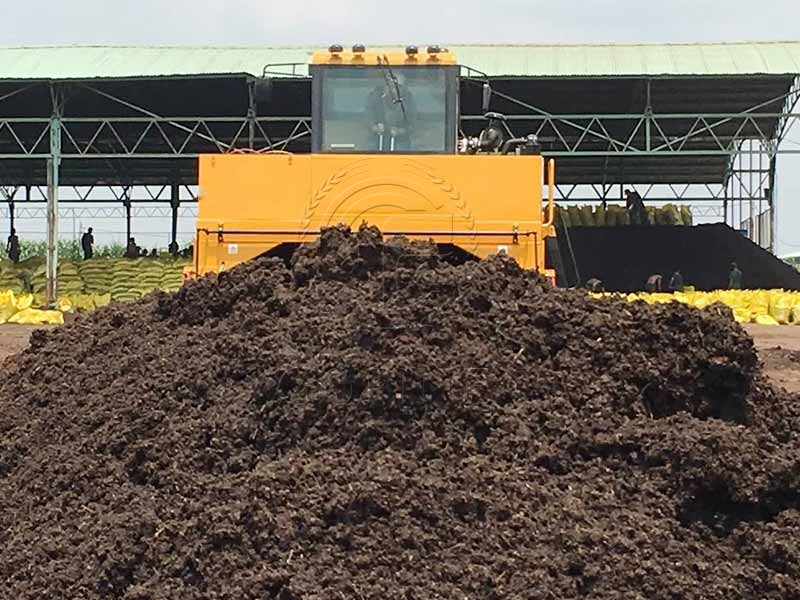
624,257
375,423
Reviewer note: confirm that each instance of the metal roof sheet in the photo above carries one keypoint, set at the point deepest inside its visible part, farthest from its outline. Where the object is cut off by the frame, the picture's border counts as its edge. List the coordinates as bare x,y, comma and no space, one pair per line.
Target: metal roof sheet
603,60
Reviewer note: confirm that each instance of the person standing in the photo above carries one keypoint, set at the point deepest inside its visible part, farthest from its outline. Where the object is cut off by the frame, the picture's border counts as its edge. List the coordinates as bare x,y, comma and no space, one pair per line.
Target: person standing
676,281
12,246
735,277
87,244
132,250
636,208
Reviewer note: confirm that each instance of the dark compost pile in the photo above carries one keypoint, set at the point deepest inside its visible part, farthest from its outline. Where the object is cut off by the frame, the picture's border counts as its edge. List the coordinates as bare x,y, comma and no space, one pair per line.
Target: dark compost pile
624,257
375,423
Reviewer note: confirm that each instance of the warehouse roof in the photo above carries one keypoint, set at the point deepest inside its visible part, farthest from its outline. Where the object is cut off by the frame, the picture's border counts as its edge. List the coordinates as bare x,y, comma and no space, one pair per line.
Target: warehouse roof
522,60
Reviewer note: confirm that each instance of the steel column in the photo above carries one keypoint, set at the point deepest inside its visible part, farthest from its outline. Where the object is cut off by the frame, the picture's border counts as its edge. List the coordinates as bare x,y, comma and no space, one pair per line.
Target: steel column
772,204
53,168
725,206
175,203
648,112
9,196
126,202
251,114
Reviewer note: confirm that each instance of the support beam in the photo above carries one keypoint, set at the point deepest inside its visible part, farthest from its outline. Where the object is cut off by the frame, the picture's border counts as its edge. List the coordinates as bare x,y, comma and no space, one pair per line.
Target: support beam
725,207
648,113
126,202
251,114
773,205
175,203
9,196
53,170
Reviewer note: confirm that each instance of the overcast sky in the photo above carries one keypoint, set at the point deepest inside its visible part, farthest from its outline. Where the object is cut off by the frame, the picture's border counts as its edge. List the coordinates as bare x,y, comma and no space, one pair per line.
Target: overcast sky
252,22
303,22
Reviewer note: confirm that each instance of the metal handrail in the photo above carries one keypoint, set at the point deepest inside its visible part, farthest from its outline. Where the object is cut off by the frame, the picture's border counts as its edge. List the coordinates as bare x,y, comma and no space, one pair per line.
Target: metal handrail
551,185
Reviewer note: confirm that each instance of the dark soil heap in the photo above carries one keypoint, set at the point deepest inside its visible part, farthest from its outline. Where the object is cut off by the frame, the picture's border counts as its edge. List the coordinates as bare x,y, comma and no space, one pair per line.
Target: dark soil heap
374,423
624,257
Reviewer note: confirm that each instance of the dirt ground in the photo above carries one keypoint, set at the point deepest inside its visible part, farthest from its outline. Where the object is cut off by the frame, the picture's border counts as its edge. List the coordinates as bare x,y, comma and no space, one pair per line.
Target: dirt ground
778,347
14,338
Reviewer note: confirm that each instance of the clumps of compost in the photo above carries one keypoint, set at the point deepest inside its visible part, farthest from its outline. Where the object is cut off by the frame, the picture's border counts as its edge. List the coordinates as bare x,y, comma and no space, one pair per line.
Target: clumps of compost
372,422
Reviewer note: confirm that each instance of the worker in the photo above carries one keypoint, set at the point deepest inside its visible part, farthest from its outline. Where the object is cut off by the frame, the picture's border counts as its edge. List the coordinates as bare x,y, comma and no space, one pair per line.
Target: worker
595,285
87,244
173,248
153,253
132,250
12,246
676,282
636,208
653,283
392,114
735,277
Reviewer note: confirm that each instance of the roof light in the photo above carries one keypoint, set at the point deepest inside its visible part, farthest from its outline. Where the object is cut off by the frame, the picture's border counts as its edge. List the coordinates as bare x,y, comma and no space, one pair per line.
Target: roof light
335,48
358,48
411,50
434,49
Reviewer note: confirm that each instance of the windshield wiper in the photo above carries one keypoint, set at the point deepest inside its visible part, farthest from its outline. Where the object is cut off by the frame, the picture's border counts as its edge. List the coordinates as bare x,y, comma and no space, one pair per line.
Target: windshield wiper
393,85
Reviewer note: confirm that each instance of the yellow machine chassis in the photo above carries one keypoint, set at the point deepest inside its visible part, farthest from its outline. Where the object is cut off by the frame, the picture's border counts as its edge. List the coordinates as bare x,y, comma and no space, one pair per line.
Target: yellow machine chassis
483,204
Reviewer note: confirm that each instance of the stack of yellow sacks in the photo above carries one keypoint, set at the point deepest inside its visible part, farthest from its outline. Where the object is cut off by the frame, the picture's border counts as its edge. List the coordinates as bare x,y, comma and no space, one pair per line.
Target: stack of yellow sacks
19,309
616,215
765,307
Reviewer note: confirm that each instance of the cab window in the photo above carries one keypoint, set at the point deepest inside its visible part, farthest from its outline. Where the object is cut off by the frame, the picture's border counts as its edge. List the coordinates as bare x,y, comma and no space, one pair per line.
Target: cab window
384,110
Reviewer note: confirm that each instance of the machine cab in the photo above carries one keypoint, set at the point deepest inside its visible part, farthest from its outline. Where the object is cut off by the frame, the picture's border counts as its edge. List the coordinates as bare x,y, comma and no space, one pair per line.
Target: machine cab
384,102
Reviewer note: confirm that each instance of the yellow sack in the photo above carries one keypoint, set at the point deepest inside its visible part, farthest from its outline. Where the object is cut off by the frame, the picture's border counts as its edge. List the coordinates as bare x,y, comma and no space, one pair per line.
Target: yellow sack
24,301
6,297
575,216
702,302
587,216
671,215
765,320
742,315
686,215
795,320
600,216
657,298
6,312
759,308
612,216
64,305
32,316
101,300
681,297
83,302
781,310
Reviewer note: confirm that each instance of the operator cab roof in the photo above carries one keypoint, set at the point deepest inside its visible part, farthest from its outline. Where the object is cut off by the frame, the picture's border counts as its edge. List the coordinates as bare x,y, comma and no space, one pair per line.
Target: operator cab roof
430,57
